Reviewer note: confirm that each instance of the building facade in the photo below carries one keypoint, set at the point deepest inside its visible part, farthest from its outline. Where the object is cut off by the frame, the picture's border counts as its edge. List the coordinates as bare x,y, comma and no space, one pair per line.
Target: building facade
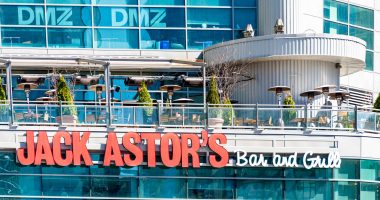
104,142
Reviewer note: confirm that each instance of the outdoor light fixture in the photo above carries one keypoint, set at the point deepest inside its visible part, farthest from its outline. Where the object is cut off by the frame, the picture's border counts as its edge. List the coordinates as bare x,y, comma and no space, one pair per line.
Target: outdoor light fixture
248,32
279,27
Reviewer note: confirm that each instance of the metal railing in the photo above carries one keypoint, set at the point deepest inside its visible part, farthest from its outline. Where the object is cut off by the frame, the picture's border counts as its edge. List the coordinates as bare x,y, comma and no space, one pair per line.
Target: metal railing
244,116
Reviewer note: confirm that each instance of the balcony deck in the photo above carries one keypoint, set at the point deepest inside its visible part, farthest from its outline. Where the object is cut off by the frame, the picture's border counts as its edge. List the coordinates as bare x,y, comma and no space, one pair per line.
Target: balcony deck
181,116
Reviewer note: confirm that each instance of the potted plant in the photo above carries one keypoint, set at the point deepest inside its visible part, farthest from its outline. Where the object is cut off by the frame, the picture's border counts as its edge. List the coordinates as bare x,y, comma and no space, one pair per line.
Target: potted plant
69,112
3,107
228,112
146,100
290,114
215,114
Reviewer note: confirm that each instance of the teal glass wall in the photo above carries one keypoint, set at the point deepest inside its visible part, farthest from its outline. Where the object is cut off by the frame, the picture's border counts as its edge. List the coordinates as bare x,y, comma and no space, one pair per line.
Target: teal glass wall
356,179
347,19
124,24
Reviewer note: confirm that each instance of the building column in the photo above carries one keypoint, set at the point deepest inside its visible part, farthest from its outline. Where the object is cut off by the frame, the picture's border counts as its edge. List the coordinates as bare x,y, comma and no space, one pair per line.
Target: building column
107,81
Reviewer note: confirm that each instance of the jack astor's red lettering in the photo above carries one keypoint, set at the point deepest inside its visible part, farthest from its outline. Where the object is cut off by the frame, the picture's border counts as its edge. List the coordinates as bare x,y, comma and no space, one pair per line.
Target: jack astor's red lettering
174,150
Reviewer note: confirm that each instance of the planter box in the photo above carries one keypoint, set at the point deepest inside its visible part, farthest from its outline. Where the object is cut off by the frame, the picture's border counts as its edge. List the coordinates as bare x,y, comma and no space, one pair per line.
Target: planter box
215,122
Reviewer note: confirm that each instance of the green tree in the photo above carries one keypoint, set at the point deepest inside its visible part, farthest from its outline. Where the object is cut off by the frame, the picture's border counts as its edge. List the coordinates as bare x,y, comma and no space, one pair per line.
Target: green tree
290,114
144,97
64,95
213,93
3,97
377,103
228,112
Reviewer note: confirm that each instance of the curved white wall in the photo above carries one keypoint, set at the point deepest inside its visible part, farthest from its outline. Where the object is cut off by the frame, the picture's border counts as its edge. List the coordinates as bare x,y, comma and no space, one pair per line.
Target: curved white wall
300,75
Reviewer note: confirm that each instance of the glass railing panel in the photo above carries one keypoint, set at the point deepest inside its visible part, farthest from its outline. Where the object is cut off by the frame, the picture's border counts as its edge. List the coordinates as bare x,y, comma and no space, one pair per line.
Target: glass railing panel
367,120
146,116
123,115
270,117
340,118
182,116
34,114
243,117
4,113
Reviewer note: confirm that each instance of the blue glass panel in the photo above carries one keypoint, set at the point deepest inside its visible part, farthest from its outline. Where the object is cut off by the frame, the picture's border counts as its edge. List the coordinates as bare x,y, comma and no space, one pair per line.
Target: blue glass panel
162,188
208,18
364,35
117,38
114,171
210,172
308,173
22,15
209,2
308,190
247,3
66,186
361,16
203,39
23,37
349,169
250,189
346,190
161,171
21,1
73,170
259,172
369,61
162,17
162,39
162,2
210,189
336,11
245,16
117,2
69,1
20,185
335,28
69,16
115,16
370,170
114,187
70,38
369,191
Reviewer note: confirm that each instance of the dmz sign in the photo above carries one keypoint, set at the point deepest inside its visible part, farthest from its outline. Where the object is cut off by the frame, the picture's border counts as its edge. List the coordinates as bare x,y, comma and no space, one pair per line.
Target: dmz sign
174,150
81,16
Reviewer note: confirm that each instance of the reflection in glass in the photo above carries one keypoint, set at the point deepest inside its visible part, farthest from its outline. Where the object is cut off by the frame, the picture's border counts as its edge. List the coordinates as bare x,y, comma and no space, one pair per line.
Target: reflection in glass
208,18
162,17
66,186
162,2
308,190
248,3
335,28
117,2
115,16
117,38
369,191
69,15
162,39
22,15
369,61
69,1
244,16
114,187
364,35
210,189
361,16
336,11
250,189
202,39
23,37
162,188
210,2
346,190
70,38
349,170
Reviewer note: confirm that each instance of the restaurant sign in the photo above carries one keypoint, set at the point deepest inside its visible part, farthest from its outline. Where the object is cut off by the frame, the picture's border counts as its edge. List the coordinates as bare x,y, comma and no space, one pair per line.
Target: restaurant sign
173,150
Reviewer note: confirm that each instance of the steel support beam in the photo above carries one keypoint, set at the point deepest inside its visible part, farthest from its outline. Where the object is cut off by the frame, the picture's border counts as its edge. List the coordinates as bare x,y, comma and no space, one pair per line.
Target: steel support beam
8,68
107,81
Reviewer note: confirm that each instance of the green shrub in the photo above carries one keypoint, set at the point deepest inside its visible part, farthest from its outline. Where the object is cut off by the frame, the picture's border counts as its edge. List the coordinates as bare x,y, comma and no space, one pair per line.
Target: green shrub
290,114
64,95
228,112
144,97
376,105
214,98
3,97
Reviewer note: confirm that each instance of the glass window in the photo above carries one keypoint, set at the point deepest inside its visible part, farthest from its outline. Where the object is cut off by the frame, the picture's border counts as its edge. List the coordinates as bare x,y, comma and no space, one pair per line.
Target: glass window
346,190
361,16
335,28
211,172
370,170
245,3
162,17
70,38
349,169
250,189
117,38
369,61
162,2
208,18
162,39
161,171
69,1
209,2
211,189
308,190
244,16
364,35
369,191
117,2
114,187
23,37
336,11
20,185
162,188
259,172
21,1
308,173
69,16
66,186
22,15
202,39
115,16
65,170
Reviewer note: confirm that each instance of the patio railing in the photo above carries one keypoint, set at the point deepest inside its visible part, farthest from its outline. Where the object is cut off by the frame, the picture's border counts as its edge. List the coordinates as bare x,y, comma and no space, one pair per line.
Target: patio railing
254,116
